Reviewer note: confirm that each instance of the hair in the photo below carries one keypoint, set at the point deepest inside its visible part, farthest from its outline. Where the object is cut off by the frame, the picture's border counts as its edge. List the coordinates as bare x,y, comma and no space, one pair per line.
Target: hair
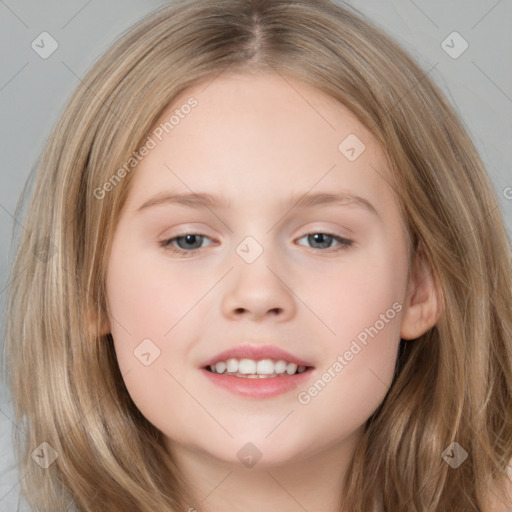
452,384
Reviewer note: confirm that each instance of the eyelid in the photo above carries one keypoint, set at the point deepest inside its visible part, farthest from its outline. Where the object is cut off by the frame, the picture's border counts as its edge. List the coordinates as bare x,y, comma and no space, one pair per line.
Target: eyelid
337,231
182,234
343,243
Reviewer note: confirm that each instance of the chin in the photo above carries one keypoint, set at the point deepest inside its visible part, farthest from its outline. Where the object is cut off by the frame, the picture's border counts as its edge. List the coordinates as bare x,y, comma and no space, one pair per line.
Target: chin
262,453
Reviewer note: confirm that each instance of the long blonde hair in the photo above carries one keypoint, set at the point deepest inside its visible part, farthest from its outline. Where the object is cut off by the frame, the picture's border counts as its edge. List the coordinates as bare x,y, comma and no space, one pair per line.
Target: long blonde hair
453,384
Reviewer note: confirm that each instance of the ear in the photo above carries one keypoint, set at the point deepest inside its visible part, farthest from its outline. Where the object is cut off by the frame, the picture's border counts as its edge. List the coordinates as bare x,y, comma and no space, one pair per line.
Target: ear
422,304
98,322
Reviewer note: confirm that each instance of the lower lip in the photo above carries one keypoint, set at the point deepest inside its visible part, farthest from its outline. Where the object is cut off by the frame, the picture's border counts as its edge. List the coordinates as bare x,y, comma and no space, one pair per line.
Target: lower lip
258,388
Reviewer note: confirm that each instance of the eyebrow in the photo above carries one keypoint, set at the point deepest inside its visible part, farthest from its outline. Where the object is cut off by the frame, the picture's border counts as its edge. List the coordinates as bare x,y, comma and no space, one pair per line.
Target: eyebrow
305,200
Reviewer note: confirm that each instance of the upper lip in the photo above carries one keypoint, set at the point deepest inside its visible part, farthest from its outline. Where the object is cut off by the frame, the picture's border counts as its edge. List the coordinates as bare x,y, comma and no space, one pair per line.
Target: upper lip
256,352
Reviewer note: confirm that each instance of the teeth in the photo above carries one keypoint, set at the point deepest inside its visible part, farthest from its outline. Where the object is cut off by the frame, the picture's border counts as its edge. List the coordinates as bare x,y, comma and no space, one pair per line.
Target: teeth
291,368
252,369
265,367
220,367
280,366
247,366
232,365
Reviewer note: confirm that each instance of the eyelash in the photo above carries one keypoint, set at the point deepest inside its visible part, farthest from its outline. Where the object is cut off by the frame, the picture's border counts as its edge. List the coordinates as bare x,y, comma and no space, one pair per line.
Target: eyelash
345,243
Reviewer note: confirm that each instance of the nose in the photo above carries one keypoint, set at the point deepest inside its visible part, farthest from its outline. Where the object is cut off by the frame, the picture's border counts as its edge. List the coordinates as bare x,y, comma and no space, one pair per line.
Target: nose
259,290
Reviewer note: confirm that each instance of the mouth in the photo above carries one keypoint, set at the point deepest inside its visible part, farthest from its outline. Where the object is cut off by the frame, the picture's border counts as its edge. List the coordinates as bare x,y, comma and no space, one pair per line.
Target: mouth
257,371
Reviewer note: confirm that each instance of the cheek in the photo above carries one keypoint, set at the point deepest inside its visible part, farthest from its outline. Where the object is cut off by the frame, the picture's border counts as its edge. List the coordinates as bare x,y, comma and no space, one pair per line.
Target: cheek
147,308
145,298
355,294
363,305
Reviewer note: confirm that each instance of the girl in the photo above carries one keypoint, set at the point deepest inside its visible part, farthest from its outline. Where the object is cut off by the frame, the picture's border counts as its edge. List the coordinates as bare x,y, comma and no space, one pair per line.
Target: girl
342,341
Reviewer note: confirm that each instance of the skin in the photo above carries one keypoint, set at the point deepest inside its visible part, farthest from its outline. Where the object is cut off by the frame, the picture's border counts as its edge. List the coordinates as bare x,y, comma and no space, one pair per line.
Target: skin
256,139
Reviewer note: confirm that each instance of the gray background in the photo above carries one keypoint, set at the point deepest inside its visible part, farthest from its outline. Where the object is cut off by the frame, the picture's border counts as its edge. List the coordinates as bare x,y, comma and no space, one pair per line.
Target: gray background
33,92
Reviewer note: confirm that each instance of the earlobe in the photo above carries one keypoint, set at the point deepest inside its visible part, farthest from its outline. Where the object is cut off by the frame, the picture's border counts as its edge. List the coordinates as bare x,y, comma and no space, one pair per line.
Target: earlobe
104,327
422,304
98,323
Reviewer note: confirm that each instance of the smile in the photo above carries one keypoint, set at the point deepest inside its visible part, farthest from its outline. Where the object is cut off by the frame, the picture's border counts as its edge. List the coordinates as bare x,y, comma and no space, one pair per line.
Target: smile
254,369
247,381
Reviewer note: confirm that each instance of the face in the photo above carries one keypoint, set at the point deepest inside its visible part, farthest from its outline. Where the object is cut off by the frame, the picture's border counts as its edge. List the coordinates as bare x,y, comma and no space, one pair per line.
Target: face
323,280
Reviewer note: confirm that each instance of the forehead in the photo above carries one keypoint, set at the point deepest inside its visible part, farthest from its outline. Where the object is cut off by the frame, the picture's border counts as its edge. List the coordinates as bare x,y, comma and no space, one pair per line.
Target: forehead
258,137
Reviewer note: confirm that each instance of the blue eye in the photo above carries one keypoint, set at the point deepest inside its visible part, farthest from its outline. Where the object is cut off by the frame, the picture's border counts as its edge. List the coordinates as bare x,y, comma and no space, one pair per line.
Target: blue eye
189,244
187,240
325,239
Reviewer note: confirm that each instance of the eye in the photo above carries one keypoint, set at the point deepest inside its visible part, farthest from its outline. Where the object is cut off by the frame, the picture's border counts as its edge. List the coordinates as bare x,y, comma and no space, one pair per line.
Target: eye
324,240
188,243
